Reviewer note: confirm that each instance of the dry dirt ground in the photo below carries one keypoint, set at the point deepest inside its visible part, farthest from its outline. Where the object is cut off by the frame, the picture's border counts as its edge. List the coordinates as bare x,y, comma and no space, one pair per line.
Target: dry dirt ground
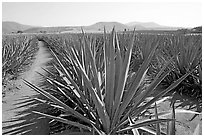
183,125
15,96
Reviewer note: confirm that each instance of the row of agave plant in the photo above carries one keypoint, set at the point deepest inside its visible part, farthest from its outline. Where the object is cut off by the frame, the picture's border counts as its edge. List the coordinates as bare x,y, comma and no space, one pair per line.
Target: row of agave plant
188,51
95,88
186,54
17,53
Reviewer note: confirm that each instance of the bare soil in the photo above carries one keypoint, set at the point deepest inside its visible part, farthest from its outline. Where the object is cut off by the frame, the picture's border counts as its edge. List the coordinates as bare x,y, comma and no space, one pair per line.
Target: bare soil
184,125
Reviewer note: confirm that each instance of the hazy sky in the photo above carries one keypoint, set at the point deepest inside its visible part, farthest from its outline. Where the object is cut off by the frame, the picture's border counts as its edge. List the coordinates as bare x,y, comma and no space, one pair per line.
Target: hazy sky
70,14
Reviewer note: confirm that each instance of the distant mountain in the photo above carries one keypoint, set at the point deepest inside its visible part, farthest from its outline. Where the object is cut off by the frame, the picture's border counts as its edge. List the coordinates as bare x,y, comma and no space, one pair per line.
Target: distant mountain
97,27
129,26
151,25
136,27
145,24
50,29
108,26
197,29
191,30
9,27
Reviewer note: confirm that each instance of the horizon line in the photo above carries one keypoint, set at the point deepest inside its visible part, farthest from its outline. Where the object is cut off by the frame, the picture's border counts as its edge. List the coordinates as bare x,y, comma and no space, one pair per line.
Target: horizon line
98,22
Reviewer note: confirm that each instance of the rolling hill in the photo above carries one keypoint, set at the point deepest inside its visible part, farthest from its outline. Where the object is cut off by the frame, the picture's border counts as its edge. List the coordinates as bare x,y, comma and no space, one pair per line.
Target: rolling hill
151,26
108,25
50,29
145,24
9,27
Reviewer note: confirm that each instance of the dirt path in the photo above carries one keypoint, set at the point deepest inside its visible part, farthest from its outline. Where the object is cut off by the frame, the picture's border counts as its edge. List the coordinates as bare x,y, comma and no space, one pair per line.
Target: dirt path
17,102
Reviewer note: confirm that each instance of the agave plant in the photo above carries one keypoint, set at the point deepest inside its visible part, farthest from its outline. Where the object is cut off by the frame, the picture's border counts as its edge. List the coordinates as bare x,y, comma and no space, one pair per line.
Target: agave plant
17,52
90,86
188,53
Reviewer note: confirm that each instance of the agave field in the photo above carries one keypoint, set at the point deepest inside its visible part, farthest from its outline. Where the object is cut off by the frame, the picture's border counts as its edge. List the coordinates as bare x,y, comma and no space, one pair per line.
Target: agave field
18,53
112,83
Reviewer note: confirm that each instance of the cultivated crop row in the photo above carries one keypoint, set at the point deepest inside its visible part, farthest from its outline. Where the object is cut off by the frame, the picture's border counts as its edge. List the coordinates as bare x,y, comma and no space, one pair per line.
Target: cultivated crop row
17,54
113,83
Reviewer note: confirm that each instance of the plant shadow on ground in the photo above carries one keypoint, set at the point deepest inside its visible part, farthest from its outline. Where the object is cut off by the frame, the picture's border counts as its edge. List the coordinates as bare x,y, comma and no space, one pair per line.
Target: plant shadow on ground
184,125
